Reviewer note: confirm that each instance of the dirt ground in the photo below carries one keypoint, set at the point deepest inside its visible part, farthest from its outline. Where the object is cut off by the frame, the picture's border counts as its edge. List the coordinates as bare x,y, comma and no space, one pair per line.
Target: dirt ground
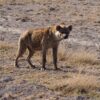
79,56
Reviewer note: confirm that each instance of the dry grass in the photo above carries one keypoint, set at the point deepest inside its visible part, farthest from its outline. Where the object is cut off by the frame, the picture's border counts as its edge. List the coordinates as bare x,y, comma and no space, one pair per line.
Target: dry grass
76,84
7,50
5,46
79,58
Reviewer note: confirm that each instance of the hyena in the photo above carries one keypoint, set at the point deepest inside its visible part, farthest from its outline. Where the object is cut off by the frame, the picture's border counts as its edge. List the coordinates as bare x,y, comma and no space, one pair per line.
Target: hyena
42,39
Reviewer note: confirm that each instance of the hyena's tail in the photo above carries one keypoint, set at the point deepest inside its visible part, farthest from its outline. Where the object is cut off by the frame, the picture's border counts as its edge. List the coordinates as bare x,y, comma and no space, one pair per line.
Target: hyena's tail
21,49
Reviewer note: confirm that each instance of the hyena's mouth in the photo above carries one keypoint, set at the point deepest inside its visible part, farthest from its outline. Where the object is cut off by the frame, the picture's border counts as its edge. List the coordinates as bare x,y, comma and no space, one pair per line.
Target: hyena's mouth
66,37
60,36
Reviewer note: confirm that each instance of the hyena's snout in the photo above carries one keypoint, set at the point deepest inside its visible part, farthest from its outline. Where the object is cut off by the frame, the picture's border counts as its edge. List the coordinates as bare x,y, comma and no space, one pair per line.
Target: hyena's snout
59,35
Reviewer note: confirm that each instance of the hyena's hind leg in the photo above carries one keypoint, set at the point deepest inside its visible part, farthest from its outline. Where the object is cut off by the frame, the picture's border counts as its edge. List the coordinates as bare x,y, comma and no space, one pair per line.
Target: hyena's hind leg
21,49
31,52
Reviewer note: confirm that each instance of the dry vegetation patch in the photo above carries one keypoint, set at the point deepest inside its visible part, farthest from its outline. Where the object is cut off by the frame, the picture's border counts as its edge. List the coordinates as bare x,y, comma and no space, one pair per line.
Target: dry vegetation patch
7,50
65,84
79,58
5,46
78,84
81,84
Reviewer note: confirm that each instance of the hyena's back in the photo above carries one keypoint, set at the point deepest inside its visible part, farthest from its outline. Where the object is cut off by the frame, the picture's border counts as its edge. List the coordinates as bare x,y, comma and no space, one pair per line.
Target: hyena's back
32,38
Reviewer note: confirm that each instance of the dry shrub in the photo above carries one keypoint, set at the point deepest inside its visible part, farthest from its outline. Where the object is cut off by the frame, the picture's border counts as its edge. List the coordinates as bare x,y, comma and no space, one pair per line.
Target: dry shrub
82,84
79,58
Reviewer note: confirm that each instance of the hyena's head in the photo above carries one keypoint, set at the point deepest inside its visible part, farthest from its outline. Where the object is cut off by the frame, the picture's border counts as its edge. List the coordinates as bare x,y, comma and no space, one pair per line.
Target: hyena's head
62,32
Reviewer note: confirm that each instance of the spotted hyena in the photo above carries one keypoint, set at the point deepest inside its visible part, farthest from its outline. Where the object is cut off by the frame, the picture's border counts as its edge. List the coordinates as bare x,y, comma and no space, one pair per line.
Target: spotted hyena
42,39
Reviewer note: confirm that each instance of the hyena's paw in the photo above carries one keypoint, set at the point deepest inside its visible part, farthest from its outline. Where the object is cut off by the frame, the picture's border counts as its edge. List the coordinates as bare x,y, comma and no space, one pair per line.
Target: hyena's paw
43,69
33,66
57,69
16,65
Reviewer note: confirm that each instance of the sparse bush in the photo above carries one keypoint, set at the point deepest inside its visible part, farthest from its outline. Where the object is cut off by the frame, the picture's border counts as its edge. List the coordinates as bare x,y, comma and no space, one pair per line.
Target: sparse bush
79,58
81,84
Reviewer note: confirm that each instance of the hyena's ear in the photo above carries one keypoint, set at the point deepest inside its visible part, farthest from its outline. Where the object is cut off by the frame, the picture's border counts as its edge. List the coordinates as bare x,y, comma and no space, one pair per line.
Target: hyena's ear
58,27
70,27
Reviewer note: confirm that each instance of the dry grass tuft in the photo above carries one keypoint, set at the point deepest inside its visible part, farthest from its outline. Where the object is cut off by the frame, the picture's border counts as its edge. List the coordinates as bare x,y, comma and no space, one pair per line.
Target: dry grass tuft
7,50
79,58
81,84
5,46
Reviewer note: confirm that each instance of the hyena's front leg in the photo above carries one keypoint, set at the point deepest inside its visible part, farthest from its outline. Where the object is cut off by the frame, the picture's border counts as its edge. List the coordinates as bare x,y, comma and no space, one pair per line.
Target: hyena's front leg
55,49
44,50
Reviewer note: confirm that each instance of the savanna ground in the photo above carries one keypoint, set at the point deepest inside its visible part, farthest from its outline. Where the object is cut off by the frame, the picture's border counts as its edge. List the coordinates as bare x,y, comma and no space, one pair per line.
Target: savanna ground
79,56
